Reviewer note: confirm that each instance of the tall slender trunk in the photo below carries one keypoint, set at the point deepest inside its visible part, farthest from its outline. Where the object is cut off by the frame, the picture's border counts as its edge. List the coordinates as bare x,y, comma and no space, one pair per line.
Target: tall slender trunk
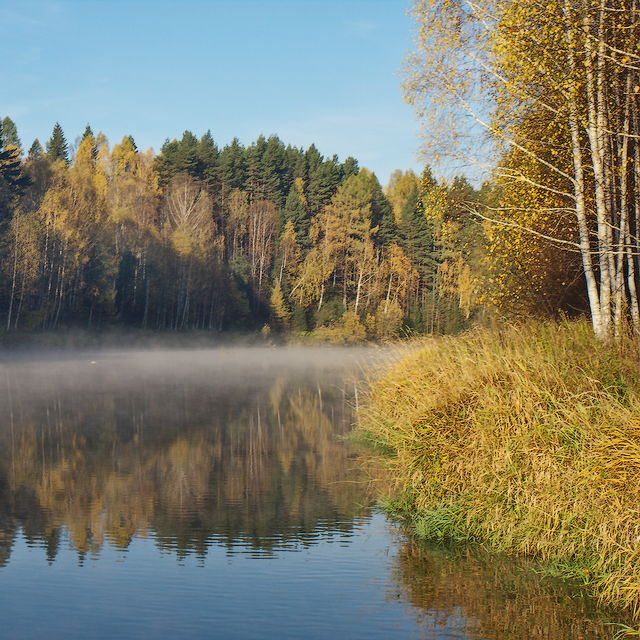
599,325
595,132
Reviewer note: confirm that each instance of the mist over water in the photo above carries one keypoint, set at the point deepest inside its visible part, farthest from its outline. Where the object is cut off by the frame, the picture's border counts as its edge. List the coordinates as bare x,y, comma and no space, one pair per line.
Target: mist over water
200,493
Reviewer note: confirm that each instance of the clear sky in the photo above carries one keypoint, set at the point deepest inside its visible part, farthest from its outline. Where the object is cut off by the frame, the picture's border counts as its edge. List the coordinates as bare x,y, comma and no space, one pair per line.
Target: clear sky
322,71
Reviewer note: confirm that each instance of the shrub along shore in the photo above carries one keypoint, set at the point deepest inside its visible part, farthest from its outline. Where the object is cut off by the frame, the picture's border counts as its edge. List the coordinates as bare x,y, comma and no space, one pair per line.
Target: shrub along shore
525,439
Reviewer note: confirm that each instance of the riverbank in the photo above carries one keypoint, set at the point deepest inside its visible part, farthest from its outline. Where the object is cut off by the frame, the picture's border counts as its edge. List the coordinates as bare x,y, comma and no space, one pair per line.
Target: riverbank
525,439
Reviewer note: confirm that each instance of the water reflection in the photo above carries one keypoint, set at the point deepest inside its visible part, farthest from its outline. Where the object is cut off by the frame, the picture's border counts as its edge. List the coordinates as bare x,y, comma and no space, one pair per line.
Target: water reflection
225,460
196,451
490,597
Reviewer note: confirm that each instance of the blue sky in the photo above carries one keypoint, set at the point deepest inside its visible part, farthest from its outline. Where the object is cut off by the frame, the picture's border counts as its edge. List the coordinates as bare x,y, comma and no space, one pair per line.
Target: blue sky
322,71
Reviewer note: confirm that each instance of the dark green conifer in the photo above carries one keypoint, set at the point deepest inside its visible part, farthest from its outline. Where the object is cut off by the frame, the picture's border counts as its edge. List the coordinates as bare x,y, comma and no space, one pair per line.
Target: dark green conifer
10,134
350,167
417,235
324,179
295,211
233,167
208,155
88,133
57,148
36,150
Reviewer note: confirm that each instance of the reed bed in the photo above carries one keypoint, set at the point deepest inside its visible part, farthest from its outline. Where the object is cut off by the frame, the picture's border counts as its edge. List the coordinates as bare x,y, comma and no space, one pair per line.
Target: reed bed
525,439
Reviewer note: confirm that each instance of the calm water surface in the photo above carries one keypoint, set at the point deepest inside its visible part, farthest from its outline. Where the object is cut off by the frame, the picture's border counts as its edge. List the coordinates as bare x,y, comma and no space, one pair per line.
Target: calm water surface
208,494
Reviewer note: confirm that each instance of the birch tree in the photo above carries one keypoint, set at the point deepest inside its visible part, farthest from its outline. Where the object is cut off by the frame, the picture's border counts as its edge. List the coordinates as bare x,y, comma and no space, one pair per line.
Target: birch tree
540,78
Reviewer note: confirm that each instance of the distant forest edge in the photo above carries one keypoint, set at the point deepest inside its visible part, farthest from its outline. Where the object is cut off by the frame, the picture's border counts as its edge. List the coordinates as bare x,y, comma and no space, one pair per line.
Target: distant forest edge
239,238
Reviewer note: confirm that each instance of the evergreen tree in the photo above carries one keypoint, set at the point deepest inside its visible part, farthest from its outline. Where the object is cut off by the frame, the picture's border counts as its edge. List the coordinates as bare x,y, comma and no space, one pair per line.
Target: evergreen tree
88,133
10,134
36,150
381,211
57,148
232,167
417,235
295,211
208,155
13,180
299,166
255,183
275,171
350,167
179,156
324,179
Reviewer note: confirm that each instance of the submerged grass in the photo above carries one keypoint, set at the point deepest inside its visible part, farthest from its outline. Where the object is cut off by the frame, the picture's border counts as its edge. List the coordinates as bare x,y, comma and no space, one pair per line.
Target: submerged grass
526,439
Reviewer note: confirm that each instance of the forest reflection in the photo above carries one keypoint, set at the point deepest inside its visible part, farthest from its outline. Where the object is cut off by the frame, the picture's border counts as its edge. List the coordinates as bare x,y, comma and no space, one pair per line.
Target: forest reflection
187,448
486,595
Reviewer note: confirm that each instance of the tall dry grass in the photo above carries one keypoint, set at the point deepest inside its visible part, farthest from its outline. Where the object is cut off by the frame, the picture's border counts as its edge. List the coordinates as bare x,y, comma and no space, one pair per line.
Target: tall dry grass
526,439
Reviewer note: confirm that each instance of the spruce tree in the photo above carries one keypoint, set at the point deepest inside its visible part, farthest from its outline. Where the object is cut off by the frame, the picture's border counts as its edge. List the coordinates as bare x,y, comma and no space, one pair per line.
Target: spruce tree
10,134
274,168
417,235
255,183
350,167
13,180
57,146
300,166
233,167
295,211
36,150
381,214
130,139
324,179
88,133
208,155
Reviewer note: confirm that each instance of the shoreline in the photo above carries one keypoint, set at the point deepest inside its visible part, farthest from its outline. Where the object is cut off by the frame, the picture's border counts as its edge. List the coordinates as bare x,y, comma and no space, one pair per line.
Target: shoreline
524,439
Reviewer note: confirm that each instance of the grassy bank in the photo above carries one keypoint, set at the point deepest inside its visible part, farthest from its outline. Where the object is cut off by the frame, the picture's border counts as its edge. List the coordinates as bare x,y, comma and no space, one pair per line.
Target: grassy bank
526,439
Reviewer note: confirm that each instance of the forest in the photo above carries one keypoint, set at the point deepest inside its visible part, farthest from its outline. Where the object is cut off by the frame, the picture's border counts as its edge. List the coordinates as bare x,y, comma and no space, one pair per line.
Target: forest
282,239
268,236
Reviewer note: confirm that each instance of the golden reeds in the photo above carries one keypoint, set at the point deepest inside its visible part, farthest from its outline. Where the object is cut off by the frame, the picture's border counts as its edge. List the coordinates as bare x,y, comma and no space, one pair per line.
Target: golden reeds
526,439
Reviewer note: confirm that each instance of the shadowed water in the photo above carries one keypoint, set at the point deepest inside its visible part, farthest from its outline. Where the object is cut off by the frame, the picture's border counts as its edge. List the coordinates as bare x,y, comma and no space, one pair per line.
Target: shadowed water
197,494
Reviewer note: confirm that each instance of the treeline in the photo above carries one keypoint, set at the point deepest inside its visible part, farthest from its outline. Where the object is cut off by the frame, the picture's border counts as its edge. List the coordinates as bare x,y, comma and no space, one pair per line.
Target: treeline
202,237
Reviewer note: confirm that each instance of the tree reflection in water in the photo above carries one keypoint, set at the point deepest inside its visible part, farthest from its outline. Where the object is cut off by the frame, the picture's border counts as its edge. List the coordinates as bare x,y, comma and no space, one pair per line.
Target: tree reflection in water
192,453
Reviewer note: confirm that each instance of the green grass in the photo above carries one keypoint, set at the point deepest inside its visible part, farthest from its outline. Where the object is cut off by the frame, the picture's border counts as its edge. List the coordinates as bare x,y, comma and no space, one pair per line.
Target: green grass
525,439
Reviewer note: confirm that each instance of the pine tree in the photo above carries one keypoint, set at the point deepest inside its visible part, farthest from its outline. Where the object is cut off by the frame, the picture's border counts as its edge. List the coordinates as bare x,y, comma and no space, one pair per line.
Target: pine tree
57,148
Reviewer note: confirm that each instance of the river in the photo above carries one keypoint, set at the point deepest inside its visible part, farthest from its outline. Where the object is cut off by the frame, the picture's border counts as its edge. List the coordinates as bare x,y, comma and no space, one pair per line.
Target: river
210,494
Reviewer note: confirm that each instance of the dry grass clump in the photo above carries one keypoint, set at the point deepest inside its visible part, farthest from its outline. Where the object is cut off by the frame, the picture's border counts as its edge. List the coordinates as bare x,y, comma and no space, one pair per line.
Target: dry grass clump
526,439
